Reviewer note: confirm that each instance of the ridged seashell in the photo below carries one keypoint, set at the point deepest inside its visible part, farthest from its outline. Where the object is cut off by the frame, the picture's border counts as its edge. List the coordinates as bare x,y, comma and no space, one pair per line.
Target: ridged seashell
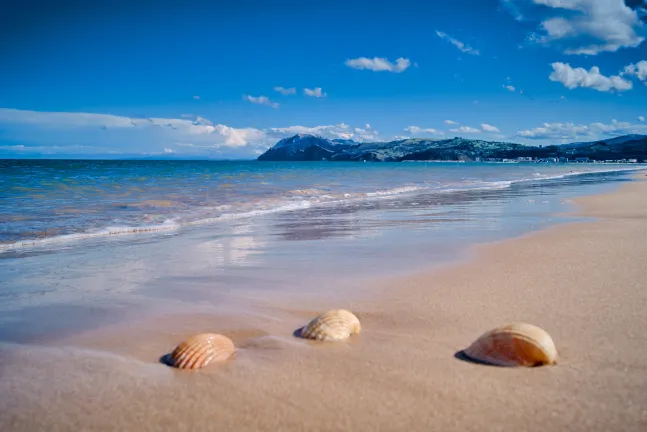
202,349
333,325
516,344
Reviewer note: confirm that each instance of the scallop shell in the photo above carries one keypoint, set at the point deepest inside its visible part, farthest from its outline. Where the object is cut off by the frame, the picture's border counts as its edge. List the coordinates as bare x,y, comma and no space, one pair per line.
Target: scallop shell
516,344
333,325
202,349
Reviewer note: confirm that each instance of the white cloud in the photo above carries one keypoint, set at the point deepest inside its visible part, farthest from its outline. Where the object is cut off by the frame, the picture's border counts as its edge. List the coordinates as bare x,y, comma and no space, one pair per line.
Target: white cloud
379,64
465,129
509,87
338,131
581,26
510,6
196,97
69,134
315,92
458,44
450,122
366,134
261,100
641,119
571,131
489,128
285,91
416,130
639,70
580,77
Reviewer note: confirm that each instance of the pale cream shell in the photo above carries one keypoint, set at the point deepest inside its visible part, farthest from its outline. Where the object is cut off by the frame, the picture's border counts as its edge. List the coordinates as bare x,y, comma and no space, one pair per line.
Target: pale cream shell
334,325
202,349
517,344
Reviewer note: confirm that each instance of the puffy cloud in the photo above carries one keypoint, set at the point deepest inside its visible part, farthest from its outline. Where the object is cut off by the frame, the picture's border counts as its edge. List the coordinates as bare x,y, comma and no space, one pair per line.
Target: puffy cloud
261,100
450,122
285,91
570,131
315,92
509,87
641,119
379,64
366,133
52,133
338,131
458,44
196,97
580,77
581,26
489,128
465,129
416,130
639,70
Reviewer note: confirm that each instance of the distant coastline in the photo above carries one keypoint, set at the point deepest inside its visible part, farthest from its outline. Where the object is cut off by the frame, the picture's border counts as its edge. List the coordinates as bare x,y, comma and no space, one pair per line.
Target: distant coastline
624,149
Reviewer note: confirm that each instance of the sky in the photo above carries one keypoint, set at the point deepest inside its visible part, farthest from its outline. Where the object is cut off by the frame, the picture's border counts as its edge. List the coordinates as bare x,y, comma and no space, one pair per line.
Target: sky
227,80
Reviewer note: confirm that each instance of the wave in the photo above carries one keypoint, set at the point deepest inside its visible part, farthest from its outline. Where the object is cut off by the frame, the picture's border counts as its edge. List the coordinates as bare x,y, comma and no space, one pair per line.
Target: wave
539,177
298,201
168,225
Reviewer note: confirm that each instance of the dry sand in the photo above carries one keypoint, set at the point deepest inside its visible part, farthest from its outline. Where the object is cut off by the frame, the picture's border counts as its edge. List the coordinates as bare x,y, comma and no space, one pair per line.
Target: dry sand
585,283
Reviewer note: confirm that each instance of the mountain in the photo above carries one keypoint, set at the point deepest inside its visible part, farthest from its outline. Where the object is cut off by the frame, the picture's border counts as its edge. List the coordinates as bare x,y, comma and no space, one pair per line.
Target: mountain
623,147
611,141
304,147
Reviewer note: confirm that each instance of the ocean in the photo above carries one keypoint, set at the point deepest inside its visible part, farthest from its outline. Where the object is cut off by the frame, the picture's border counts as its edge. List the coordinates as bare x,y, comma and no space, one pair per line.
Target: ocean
50,202
88,243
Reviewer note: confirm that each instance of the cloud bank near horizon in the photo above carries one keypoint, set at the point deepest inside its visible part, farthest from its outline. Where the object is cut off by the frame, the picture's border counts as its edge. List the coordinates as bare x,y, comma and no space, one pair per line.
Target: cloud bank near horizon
57,134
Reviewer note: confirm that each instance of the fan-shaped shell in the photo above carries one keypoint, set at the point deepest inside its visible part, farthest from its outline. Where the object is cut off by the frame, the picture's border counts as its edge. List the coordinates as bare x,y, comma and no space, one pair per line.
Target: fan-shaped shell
202,349
516,344
334,325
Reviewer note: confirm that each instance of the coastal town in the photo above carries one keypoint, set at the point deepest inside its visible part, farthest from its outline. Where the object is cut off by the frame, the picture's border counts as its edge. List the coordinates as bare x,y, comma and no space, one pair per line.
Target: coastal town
560,160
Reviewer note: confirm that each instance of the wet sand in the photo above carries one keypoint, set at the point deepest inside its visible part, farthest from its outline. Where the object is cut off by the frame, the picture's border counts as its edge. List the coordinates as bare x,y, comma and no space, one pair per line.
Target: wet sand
585,283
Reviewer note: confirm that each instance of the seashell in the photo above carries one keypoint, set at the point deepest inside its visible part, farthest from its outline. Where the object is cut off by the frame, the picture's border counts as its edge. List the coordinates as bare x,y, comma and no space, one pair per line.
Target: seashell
202,349
517,344
333,325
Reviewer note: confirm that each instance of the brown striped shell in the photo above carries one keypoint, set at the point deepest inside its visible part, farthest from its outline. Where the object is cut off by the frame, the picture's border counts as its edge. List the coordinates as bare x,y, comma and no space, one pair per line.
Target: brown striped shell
334,325
516,344
202,349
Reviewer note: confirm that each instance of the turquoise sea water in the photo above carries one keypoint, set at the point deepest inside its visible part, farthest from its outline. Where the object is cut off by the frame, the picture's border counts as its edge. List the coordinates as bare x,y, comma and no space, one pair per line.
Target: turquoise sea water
53,202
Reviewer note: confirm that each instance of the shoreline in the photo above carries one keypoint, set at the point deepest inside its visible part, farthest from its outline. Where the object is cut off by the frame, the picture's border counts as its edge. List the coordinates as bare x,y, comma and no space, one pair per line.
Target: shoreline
584,282
173,224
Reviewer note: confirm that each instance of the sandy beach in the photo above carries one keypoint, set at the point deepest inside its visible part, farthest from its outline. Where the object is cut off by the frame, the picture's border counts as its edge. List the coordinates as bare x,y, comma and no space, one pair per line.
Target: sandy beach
585,283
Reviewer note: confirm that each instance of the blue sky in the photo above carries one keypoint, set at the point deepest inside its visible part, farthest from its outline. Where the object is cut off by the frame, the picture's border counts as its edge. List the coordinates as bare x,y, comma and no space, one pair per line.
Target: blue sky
228,79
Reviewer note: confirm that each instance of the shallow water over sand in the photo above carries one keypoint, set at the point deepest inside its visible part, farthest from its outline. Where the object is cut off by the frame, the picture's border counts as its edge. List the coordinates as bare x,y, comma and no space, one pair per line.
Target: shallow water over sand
323,253
85,325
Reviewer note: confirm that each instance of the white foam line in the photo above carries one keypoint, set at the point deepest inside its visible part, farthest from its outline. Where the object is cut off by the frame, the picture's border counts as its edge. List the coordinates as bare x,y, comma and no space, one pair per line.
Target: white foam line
168,225
234,216
172,225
